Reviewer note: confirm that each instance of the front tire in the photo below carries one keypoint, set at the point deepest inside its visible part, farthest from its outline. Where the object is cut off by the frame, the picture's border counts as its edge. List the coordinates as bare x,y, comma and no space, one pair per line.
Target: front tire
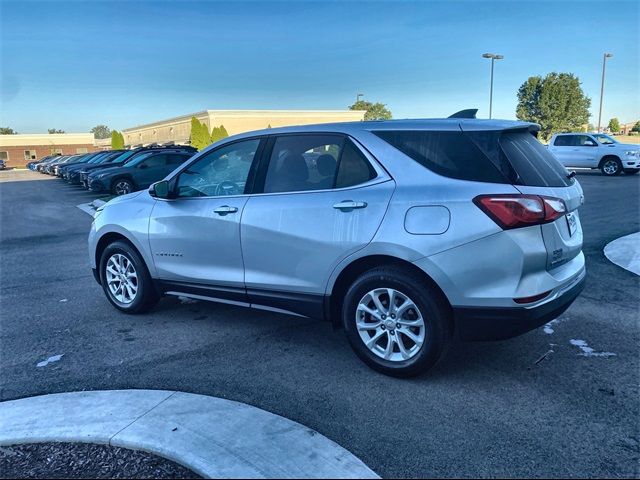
122,186
125,279
611,166
396,322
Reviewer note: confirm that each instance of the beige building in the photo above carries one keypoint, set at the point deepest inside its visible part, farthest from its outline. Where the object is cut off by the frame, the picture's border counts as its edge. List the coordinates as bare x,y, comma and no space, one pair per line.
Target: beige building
178,129
19,149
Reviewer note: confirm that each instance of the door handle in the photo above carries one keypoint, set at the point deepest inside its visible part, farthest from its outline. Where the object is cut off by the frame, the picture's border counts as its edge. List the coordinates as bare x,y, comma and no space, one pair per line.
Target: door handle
225,210
348,205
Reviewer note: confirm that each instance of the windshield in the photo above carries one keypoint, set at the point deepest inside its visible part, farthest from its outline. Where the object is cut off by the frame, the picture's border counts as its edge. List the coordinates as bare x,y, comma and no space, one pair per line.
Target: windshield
122,157
605,139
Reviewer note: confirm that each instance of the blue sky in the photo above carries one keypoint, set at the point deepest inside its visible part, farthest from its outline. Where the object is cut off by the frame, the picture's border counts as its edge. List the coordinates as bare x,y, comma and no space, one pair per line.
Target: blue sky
72,65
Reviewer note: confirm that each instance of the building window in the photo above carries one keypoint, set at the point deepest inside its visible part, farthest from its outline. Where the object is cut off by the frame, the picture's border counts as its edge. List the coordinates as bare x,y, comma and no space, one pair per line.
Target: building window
82,150
56,151
29,154
4,156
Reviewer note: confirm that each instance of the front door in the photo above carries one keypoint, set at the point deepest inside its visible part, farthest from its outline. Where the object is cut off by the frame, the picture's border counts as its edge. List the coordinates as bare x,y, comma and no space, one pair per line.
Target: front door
195,237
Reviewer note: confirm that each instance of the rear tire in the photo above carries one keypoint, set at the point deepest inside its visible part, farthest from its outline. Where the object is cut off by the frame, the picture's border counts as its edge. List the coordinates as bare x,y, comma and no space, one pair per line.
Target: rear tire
418,334
611,166
126,280
631,171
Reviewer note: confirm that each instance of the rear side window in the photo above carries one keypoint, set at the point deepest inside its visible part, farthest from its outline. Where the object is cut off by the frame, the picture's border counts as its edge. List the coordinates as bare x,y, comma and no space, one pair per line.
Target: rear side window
532,162
354,168
451,154
563,141
514,157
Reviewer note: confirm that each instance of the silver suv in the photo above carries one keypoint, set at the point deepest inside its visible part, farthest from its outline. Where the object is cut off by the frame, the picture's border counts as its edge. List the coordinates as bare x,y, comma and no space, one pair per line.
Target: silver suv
406,233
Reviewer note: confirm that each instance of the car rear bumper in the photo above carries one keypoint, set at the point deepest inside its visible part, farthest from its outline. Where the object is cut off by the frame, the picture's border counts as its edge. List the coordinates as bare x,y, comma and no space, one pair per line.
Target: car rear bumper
501,323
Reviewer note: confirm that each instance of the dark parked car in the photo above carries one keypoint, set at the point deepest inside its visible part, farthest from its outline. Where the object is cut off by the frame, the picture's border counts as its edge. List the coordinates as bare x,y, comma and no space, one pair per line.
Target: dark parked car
32,165
41,165
126,157
89,157
73,172
139,173
48,169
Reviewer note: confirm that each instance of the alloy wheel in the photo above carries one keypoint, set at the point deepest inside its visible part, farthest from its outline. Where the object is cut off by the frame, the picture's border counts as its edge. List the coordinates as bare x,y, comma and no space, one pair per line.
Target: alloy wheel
123,187
122,278
390,324
610,167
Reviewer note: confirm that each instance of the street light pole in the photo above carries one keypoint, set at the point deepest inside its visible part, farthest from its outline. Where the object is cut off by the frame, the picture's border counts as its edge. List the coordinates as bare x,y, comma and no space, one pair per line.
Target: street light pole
493,58
604,64
358,97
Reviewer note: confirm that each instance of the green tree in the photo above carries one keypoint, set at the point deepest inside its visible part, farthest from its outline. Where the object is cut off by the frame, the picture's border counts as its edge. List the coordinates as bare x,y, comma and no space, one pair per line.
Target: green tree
556,102
215,134
53,130
117,140
374,111
7,131
223,132
614,125
200,137
636,127
100,131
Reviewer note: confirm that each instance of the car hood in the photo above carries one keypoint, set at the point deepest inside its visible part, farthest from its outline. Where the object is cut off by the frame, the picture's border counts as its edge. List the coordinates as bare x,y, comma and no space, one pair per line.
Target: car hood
101,166
628,146
124,198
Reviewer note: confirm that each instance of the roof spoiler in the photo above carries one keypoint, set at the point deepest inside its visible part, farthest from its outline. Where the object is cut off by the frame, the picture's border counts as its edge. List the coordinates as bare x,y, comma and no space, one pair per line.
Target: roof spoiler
469,113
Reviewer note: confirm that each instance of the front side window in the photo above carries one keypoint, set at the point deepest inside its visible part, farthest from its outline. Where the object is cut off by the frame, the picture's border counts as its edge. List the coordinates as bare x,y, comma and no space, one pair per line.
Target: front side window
583,141
605,139
154,162
223,171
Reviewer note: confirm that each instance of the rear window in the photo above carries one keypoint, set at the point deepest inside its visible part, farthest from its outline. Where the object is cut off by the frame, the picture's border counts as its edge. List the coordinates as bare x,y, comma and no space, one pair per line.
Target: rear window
514,157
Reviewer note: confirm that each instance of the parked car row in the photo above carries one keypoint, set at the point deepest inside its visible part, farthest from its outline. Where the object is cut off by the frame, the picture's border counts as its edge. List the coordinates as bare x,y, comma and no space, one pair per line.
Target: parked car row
115,171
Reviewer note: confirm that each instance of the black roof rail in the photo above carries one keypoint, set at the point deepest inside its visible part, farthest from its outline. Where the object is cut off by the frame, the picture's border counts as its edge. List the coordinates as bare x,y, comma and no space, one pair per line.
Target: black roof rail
468,113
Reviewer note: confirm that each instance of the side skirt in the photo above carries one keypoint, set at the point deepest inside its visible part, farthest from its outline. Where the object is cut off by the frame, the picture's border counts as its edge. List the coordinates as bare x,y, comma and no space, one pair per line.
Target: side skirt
292,303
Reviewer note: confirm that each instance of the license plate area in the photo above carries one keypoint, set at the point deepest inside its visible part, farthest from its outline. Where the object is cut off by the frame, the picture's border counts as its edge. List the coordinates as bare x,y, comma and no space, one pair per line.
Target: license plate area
572,223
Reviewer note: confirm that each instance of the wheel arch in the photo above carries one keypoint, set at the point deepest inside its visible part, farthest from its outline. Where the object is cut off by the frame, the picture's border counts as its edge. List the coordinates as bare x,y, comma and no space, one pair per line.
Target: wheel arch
116,235
123,176
333,301
609,156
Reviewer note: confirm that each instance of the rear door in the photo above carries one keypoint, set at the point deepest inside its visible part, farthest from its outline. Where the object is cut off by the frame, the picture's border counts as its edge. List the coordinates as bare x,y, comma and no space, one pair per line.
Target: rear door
318,198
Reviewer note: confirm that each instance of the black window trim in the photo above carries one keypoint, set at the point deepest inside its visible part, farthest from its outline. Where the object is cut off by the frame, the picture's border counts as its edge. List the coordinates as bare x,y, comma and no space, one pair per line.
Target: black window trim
261,172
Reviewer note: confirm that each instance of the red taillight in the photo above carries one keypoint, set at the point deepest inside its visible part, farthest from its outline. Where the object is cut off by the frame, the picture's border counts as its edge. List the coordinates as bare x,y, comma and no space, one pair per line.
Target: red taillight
514,211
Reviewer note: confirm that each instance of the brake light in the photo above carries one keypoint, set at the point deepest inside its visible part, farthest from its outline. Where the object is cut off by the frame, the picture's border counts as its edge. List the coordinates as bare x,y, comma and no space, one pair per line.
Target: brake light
515,211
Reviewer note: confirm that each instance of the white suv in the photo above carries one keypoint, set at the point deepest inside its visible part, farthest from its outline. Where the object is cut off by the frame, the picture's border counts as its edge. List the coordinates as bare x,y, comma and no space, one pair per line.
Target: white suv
595,150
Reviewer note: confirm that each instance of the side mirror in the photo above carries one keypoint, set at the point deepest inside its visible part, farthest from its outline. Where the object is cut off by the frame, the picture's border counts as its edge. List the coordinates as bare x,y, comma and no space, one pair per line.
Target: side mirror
160,189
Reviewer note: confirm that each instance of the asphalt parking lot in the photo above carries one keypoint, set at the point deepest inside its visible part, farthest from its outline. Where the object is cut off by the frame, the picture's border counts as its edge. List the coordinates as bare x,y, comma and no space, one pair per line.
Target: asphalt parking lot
534,406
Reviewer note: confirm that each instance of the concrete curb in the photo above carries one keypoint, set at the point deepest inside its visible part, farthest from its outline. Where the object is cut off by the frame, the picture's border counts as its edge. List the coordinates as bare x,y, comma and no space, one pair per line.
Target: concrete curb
215,438
625,252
